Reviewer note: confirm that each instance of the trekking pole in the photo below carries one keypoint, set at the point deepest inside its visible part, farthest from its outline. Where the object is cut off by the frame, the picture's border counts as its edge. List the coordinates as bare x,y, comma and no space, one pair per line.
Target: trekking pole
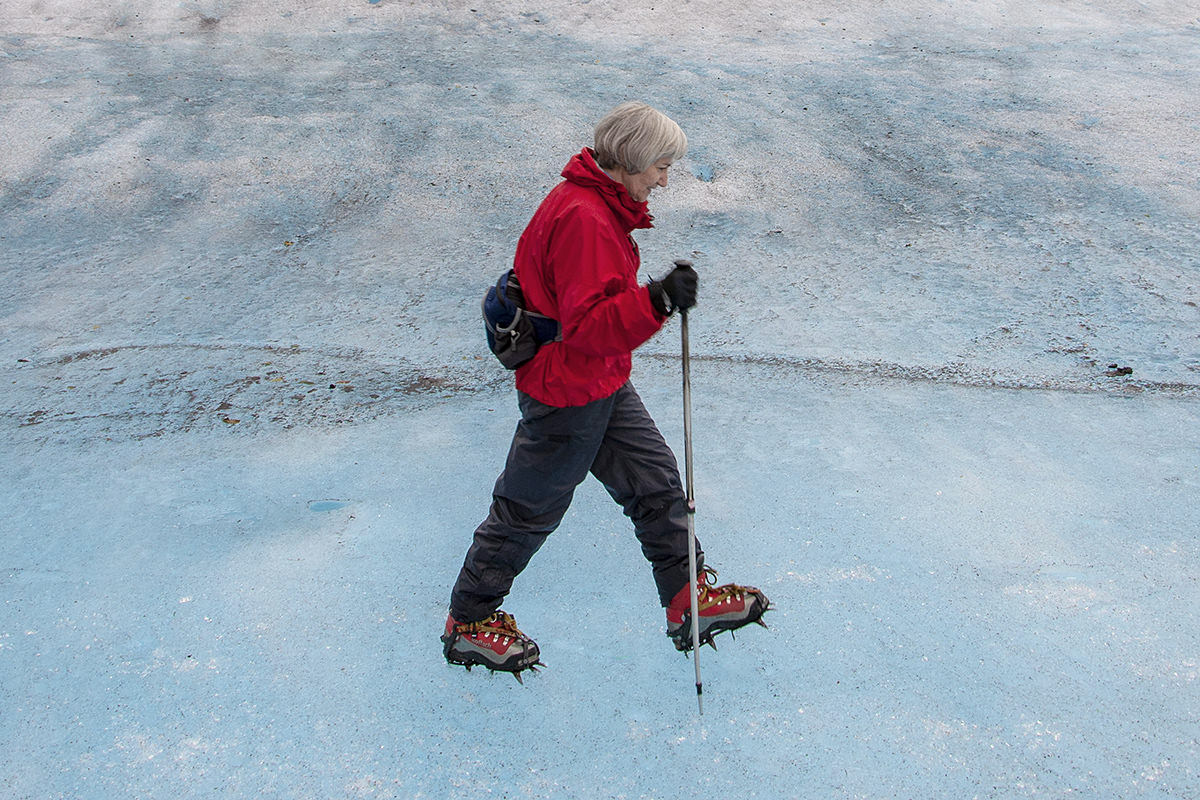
691,501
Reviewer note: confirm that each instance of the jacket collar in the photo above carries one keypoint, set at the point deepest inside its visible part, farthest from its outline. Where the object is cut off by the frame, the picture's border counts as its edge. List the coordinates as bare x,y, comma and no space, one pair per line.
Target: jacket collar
583,170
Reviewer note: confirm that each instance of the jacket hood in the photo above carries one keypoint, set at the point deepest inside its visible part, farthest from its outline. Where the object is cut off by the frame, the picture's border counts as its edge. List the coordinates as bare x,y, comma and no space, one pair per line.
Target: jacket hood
582,170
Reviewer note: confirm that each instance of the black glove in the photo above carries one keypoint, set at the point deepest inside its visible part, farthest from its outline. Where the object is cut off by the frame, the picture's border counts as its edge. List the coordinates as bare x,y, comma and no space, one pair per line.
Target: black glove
676,289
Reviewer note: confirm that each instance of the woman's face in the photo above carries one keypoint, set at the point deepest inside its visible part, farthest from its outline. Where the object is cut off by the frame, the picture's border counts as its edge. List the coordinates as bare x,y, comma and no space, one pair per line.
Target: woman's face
640,184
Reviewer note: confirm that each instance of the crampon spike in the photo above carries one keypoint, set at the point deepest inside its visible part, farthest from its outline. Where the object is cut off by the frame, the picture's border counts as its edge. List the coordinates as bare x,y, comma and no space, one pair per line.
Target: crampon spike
532,668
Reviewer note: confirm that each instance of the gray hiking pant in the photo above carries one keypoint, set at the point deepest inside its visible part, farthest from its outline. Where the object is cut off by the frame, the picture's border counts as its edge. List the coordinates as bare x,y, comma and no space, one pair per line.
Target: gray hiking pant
552,451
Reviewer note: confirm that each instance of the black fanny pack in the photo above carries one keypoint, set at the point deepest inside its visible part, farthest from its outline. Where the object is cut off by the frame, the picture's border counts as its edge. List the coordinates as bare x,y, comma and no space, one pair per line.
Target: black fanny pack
515,333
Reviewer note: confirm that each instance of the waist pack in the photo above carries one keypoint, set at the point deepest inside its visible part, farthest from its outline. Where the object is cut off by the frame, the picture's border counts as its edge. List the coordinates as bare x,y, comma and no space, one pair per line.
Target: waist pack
514,333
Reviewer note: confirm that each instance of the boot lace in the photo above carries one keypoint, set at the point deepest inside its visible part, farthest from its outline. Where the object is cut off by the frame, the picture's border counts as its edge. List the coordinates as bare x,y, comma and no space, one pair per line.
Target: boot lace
499,626
711,596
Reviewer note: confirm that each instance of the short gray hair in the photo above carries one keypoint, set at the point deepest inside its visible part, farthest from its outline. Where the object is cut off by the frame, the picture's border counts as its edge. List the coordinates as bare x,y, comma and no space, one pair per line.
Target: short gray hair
634,136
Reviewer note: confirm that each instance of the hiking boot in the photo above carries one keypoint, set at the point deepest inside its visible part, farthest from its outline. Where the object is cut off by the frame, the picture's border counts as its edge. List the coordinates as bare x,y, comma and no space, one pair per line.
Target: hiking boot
722,608
495,643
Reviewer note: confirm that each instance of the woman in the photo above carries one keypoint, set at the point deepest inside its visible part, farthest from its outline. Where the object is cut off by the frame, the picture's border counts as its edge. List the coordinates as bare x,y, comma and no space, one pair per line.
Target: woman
577,263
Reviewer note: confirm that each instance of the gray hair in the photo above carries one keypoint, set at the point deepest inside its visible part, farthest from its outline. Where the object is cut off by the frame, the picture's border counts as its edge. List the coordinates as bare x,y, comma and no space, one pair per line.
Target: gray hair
634,136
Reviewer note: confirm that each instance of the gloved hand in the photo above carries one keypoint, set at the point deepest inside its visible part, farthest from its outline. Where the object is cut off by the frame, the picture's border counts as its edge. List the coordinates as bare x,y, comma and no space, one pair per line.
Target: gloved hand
676,289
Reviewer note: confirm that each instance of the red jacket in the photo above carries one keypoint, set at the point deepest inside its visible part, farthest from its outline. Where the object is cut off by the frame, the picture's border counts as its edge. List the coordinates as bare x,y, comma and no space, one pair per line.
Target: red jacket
578,263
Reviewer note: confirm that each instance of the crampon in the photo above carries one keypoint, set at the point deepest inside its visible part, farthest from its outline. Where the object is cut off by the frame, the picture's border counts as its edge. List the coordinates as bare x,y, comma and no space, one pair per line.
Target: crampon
495,643
722,608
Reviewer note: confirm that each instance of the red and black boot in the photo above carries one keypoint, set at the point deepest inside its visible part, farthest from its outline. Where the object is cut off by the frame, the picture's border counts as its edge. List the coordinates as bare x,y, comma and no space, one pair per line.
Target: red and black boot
496,643
722,608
